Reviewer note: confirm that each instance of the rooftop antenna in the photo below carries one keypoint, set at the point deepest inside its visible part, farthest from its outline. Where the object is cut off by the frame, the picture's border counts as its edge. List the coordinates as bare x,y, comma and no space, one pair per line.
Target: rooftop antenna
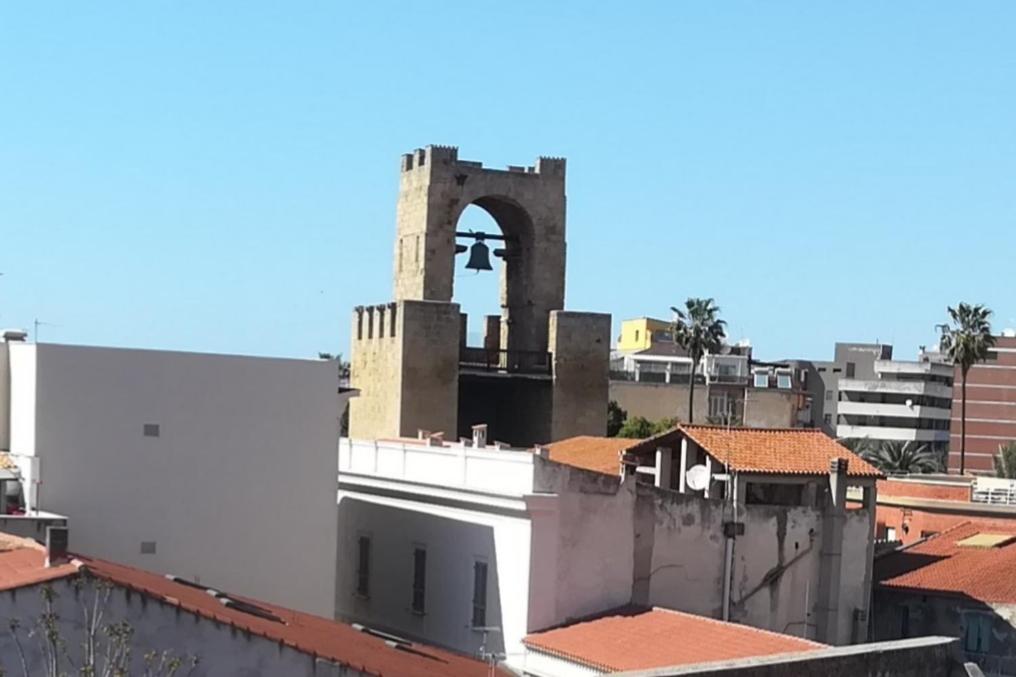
491,657
39,323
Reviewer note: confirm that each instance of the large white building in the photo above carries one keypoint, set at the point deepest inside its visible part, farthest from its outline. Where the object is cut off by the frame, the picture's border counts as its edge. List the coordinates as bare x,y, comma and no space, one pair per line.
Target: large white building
217,468
905,401
472,546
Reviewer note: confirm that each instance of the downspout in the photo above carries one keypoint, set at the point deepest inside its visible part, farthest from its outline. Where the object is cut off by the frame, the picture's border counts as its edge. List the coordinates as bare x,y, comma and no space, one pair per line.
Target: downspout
728,546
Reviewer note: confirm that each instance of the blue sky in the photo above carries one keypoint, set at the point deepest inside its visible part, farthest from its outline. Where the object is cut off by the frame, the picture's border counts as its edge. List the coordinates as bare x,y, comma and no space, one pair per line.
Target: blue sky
222,176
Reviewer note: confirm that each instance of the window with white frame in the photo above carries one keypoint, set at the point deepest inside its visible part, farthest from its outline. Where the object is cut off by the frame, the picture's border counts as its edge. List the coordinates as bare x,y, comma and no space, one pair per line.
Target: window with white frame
783,379
761,379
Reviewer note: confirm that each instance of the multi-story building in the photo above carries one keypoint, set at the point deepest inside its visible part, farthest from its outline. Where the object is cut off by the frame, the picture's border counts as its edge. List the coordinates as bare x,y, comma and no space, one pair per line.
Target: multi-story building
905,401
731,387
822,379
182,462
991,407
467,544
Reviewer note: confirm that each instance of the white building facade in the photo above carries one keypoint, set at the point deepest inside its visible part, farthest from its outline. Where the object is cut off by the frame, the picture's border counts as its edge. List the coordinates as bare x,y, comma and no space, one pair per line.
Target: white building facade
216,468
906,401
473,547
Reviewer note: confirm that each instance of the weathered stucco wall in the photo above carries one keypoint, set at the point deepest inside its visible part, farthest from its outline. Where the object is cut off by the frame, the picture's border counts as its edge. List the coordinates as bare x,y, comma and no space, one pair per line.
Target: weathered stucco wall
656,401
222,650
770,408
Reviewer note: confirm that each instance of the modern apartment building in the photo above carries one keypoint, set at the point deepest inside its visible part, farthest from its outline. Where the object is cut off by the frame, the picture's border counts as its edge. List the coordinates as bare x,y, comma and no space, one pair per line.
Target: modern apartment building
641,333
991,407
822,379
904,401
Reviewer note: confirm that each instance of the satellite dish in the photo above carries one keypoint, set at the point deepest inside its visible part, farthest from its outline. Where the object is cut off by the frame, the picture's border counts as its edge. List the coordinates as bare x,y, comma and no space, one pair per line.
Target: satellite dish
697,477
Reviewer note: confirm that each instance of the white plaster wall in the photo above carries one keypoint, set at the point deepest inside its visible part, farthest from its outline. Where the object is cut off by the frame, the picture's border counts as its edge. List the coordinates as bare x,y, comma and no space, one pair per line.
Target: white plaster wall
5,398
454,539
237,491
595,541
857,532
23,422
222,650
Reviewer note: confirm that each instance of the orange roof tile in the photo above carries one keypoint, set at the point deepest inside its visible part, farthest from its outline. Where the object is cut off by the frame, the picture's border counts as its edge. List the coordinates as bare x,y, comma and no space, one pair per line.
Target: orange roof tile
917,489
23,564
941,565
599,454
640,639
781,451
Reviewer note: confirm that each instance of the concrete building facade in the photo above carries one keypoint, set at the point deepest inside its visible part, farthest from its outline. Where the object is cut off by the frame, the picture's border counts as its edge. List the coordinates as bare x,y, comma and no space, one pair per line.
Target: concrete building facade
541,372
855,361
185,463
904,402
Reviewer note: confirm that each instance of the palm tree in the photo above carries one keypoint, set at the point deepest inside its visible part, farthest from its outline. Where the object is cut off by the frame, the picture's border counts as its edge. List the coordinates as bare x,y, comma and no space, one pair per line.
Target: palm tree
698,330
895,457
967,340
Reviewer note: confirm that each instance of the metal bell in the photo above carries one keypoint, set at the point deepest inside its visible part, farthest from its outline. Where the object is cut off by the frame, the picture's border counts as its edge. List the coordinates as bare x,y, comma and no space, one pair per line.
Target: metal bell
479,257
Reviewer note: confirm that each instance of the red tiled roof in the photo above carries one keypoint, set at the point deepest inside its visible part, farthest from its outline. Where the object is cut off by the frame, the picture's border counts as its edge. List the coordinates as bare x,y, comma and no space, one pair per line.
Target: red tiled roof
313,635
640,639
939,565
780,451
599,454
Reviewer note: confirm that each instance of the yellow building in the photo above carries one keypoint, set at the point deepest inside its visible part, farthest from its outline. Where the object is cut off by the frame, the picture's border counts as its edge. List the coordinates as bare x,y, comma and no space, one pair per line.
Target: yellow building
640,333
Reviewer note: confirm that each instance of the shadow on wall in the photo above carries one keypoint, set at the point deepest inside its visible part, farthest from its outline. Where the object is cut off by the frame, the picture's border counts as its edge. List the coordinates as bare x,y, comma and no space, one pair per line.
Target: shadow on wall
426,577
985,632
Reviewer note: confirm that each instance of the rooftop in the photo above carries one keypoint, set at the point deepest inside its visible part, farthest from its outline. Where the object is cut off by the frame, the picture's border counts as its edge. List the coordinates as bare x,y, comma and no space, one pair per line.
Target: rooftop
588,452
776,451
635,638
974,559
22,563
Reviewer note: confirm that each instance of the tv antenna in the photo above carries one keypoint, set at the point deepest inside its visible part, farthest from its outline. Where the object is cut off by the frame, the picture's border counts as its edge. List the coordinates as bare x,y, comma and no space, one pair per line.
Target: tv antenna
39,323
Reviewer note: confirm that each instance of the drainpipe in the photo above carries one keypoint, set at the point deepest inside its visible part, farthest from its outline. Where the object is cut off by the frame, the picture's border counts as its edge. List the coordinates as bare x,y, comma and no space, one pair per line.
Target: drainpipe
730,530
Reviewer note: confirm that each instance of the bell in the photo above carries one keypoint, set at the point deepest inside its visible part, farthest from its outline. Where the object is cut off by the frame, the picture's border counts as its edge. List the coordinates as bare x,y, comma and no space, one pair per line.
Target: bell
479,257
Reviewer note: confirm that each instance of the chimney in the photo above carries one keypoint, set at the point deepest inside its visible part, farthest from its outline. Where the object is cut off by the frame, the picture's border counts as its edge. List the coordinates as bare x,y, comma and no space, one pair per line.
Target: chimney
435,439
14,335
57,540
480,435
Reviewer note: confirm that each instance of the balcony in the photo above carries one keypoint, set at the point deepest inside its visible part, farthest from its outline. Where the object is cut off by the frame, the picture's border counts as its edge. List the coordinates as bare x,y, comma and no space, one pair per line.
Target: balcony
497,361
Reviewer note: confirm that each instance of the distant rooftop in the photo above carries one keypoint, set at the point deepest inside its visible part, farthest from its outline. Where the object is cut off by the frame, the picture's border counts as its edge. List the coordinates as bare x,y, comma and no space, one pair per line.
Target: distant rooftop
588,452
974,559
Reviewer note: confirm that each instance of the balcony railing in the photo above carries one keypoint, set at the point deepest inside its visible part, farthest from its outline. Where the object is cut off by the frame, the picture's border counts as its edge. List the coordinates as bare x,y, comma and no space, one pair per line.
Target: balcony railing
505,361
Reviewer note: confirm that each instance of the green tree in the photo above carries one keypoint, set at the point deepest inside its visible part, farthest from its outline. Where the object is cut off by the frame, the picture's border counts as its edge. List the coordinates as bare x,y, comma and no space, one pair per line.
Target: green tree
637,428
967,340
698,329
1005,461
615,418
103,647
896,457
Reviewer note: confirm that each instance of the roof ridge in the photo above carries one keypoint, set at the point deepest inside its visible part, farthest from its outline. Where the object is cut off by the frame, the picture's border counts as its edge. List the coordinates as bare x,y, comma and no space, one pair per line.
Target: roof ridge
759,429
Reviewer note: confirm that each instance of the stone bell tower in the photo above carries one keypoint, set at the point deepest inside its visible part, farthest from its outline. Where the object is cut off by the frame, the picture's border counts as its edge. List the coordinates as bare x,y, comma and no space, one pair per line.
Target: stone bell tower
541,373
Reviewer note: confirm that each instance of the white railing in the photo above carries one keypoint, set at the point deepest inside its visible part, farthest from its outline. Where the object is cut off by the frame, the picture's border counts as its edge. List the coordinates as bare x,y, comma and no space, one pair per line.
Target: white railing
994,491
489,469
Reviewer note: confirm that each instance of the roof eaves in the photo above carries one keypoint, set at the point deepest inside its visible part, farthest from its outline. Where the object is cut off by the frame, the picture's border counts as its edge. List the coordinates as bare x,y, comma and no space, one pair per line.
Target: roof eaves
566,655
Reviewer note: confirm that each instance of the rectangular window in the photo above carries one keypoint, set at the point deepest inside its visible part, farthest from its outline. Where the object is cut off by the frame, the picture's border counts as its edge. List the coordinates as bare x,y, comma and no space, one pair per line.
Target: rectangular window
890,534
636,336
479,594
783,381
904,622
150,430
828,419
977,638
761,379
419,579
363,567
851,369
829,395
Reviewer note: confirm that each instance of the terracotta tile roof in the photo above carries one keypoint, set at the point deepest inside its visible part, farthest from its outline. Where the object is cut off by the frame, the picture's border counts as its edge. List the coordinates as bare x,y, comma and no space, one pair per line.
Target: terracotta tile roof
781,451
599,454
22,564
941,565
640,639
